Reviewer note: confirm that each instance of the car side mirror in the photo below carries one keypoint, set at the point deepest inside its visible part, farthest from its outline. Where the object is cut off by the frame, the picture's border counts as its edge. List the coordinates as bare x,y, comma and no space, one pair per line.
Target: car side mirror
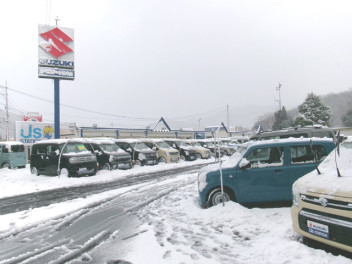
129,149
244,164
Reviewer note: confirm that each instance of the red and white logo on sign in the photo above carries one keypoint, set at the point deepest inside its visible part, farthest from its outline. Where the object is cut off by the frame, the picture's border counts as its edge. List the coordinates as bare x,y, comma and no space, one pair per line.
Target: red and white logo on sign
55,42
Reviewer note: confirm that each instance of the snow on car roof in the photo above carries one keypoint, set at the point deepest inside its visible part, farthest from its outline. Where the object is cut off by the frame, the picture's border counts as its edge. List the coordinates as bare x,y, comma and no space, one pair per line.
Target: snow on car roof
328,181
11,143
287,140
153,140
128,140
101,140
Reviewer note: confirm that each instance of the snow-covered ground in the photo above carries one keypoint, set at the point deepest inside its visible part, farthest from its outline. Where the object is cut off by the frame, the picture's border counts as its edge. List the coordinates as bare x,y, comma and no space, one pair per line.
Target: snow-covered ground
20,181
174,229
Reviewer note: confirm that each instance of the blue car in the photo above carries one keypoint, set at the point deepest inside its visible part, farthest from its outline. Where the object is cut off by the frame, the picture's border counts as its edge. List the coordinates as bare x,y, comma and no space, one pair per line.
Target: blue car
261,171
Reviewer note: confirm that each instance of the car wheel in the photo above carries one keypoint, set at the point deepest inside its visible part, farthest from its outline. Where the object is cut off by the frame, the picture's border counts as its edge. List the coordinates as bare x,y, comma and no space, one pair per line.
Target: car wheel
34,171
106,167
162,160
138,163
199,156
6,165
216,197
182,157
64,172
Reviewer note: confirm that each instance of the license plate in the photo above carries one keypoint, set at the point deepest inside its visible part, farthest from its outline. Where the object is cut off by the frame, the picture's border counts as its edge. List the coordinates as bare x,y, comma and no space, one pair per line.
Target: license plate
82,170
151,161
318,229
174,159
123,166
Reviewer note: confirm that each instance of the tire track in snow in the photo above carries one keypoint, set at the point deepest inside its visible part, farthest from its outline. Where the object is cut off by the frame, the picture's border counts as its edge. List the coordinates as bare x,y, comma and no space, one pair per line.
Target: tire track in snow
102,217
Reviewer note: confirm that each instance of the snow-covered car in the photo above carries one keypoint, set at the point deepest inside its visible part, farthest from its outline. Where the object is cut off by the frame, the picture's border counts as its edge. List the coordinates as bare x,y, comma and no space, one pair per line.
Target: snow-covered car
229,150
12,155
202,153
166,153
261,171
109,155
141,155
187,152
322,200
297,132
210,144
62,156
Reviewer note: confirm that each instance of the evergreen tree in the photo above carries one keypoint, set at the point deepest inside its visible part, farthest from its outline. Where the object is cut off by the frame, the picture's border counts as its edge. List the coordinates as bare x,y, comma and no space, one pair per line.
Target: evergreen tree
281,119
313,112
347,118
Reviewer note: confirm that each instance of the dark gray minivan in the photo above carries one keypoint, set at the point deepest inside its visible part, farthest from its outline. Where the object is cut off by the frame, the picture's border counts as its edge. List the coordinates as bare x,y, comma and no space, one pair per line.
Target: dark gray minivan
109,155
69,157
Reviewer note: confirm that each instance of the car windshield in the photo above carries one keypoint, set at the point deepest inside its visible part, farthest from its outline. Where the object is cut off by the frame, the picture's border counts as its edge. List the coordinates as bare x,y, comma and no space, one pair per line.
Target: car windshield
210,144
17,148
164,145
109,147
181,144
74,148
196,144
140,146
235,158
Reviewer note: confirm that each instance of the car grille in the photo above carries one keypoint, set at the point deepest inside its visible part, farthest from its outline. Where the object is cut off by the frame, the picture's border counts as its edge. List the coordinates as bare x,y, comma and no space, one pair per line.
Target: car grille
325,202
150,156
340,228
173,153
84,159
123,158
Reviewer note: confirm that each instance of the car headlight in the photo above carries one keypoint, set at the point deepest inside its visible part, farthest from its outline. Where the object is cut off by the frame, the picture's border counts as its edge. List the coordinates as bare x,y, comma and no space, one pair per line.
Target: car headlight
141,156
202,181
187,153
168,154
295,198
73,160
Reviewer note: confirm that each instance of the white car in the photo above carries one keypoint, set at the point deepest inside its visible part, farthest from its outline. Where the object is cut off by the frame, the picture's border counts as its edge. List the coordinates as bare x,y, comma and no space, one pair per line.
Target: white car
322,203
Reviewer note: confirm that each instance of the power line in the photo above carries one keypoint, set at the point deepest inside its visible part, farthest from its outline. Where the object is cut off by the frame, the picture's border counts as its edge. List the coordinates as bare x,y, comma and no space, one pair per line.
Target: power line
82,109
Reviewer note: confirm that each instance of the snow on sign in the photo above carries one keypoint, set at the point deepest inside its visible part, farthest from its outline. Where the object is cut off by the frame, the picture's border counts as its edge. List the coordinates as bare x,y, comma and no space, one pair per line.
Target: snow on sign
55,52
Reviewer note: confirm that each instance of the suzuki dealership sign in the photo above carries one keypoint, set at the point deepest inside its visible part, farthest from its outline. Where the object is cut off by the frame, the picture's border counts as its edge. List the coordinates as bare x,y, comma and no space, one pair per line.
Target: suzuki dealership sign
30,132
56,53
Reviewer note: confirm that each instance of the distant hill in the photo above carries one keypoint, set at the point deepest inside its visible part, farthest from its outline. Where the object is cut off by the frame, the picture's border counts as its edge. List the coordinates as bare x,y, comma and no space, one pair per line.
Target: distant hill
339,104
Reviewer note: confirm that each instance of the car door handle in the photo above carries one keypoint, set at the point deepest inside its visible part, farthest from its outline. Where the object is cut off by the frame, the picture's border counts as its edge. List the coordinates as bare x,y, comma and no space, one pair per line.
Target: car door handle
278,170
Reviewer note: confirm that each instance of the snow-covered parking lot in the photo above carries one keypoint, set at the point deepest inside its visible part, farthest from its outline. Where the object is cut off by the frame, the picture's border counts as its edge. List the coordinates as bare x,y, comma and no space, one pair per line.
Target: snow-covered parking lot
169,229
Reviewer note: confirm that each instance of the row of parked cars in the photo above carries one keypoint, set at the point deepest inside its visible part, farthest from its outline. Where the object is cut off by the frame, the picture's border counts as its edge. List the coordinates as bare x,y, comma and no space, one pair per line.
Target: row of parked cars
85,156
314,173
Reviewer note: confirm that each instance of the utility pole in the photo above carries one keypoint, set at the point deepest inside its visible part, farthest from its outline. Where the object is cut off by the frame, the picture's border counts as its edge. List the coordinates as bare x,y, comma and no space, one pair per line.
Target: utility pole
7,111
199,123
279,89
228,119
57,20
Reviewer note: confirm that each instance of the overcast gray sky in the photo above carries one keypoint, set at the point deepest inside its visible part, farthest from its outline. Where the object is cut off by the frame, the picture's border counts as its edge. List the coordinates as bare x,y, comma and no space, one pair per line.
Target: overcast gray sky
179,58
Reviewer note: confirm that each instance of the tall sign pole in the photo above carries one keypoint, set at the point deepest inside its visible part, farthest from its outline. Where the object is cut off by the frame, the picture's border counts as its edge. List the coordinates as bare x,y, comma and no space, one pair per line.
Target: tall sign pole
57,107
56,61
